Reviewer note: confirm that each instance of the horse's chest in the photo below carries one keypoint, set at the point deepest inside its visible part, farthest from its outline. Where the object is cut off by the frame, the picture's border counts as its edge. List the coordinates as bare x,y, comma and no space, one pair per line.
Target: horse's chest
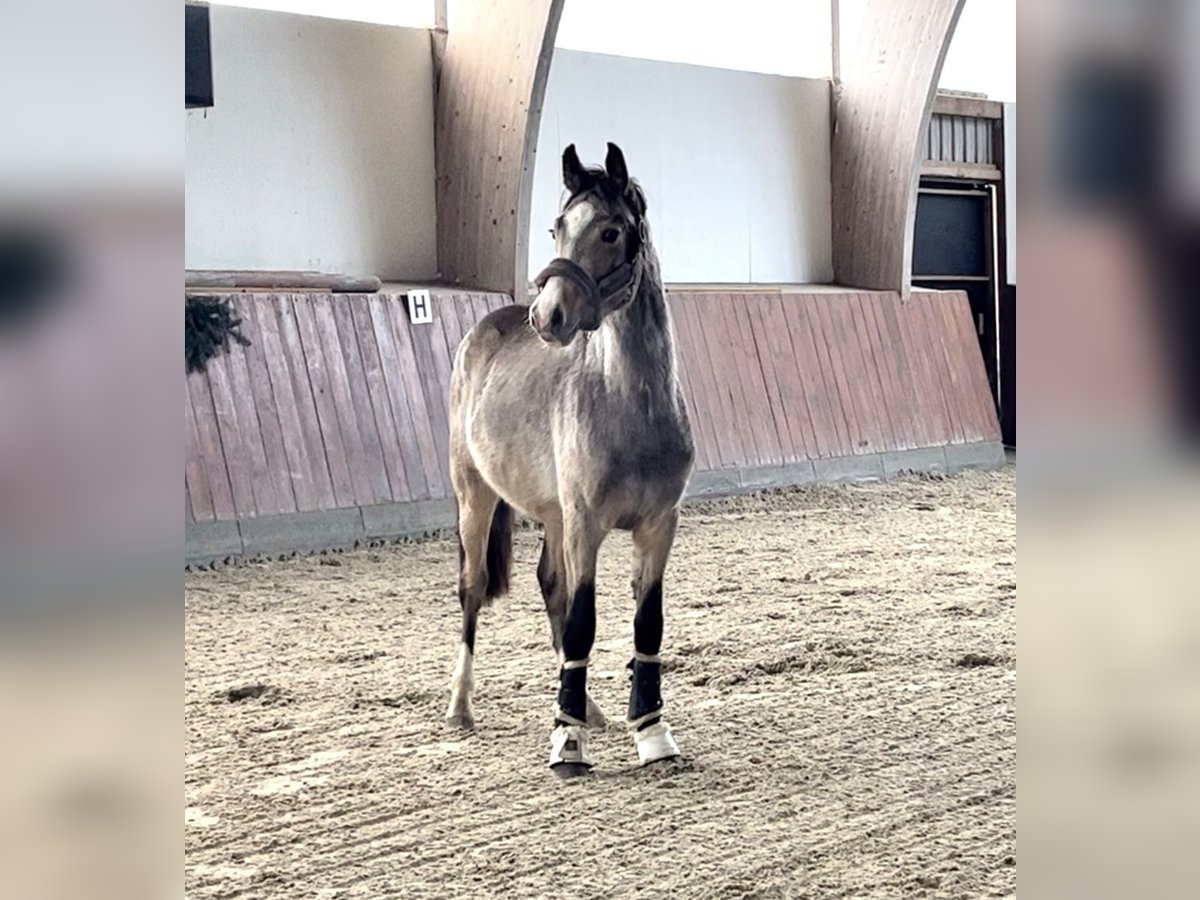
645,463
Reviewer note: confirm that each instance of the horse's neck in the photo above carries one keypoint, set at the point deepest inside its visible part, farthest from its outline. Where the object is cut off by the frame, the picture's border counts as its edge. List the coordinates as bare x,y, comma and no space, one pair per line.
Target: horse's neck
635,346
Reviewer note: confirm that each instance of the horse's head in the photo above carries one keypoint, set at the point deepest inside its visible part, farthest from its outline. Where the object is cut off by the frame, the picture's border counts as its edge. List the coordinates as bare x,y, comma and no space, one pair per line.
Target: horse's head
598,237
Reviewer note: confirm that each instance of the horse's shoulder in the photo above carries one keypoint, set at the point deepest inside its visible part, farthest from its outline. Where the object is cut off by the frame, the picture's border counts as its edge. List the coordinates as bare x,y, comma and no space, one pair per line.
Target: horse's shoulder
497,329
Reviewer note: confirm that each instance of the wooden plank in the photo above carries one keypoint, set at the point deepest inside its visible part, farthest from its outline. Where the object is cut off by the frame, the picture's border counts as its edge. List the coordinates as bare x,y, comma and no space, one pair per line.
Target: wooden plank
767,349
789,377
899,403
957,365
975,171
265,487
931,412
834,345
946,341
188,516
970,151
305,486
966,360
481,307
764,383
380,400
712,395
281,497
716,338
748,384
397,394
690,364
972,107
328,422
831,432
211,453
454,329
941,363
195,478
197,279
411,377
348,388
890,312
934,366
306,406
683,364
871,417
429,345
873,373
236,442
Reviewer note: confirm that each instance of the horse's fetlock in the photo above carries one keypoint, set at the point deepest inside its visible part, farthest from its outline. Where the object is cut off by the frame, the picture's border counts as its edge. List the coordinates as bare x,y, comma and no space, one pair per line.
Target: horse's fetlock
572,693
645,692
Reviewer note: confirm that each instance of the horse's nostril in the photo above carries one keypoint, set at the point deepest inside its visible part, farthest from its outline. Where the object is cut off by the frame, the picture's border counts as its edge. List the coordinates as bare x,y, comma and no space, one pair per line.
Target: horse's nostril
556,318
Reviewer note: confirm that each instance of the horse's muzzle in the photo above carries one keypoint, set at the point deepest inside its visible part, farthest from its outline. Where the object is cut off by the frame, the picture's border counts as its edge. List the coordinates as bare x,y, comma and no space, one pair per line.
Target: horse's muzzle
550,324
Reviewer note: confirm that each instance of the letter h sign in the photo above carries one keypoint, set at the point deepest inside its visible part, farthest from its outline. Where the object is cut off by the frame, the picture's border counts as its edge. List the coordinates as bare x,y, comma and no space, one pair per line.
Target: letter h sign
420,307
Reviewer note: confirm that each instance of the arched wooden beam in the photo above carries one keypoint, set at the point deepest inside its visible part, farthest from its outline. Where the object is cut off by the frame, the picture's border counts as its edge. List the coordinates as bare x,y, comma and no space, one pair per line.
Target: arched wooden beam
881,112
489,106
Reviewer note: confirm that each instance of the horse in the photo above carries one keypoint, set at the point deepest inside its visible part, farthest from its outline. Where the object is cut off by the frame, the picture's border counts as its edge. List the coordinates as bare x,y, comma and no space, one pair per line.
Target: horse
569,410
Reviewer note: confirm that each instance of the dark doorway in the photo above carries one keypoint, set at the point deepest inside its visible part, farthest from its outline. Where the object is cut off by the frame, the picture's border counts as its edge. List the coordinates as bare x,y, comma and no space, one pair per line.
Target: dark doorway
954,249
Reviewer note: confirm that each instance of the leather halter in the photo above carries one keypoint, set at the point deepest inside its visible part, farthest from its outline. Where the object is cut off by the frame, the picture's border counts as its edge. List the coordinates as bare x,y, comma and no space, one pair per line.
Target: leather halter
597,293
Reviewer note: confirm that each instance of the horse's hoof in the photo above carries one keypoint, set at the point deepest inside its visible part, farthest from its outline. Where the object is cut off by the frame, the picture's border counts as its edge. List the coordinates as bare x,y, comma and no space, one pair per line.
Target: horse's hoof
462,721
655,743
570,770
568,749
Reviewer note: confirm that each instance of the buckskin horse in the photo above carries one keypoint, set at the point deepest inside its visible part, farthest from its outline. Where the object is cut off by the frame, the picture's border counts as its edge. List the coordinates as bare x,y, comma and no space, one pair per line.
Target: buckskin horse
569,410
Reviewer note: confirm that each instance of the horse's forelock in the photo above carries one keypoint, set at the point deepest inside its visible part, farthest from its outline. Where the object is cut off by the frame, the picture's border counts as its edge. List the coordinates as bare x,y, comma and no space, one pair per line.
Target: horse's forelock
599,183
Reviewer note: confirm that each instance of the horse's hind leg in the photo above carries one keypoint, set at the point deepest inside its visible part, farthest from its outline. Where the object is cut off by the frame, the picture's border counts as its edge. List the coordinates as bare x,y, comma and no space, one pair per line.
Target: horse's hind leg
477,507
652,545
551,574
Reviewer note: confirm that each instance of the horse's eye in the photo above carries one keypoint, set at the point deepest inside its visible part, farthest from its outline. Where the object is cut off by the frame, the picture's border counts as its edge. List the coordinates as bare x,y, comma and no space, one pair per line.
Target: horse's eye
609,235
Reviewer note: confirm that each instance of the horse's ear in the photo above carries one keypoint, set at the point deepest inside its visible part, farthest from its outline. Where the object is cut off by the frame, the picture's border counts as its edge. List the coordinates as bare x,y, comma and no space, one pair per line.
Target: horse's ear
575,177
614,164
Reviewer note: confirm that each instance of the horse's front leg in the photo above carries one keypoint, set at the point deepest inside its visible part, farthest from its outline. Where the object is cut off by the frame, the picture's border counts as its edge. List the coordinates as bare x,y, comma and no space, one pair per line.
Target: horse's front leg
569,739
552,578
652,542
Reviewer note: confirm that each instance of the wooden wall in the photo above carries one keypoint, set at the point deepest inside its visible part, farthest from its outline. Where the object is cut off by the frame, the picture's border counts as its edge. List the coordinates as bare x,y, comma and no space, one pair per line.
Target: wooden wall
776,377
489,100
881,116
340,403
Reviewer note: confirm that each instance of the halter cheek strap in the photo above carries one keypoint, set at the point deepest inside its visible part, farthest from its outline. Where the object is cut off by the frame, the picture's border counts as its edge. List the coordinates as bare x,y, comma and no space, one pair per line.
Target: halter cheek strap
599,294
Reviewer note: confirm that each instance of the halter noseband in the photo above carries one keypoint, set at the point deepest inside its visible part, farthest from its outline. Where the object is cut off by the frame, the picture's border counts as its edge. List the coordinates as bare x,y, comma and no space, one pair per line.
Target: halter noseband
598,293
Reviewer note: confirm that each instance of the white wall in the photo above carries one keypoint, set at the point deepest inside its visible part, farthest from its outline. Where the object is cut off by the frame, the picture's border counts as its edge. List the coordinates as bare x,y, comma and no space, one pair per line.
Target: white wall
982,57
780,37
318,152
735,165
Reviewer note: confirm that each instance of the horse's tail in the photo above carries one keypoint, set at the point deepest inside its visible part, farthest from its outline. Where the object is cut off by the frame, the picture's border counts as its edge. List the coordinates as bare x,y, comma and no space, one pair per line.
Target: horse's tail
499,551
